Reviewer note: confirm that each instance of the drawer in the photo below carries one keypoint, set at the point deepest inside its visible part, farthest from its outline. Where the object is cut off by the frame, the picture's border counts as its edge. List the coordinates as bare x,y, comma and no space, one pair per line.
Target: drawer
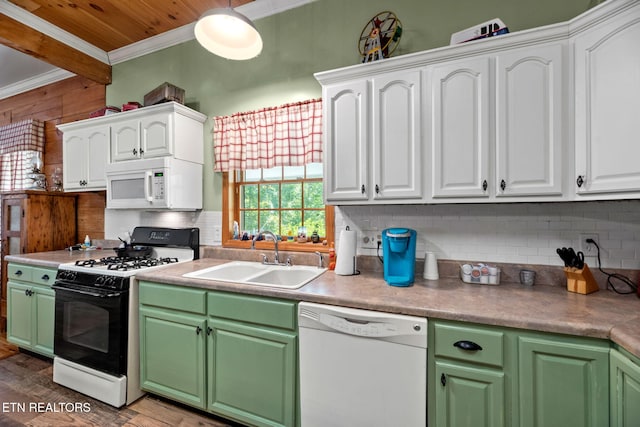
23,273
43,276
246,308
173,297
452,338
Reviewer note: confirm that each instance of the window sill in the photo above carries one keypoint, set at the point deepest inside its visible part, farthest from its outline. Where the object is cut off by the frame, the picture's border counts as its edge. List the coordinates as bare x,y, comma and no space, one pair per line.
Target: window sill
282,246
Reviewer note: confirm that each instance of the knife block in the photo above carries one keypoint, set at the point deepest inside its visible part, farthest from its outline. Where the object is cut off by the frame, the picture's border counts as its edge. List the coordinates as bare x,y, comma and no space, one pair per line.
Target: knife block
580,281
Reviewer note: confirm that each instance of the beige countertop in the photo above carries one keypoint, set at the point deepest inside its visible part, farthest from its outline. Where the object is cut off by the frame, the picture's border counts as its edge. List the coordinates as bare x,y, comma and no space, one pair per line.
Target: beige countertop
602,314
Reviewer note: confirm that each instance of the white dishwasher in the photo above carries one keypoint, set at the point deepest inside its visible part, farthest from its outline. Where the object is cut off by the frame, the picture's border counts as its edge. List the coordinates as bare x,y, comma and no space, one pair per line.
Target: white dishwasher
361,368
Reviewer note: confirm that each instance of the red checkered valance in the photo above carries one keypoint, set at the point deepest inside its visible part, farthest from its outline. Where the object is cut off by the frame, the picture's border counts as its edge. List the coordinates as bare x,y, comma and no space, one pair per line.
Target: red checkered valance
289,135
26,135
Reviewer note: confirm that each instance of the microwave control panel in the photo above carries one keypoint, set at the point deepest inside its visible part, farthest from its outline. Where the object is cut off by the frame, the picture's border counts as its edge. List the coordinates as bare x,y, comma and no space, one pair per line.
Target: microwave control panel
158,185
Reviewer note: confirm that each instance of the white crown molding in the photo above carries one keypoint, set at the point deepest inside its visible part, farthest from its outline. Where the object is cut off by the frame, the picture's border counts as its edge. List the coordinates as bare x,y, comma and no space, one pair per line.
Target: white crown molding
254,10
31,20
34,82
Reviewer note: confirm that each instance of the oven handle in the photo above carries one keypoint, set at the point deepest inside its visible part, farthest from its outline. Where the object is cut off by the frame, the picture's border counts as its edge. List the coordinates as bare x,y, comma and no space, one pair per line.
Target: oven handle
92,294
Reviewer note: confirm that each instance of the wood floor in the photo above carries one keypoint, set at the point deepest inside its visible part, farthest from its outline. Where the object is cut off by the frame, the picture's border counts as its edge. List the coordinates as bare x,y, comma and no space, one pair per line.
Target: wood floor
29,397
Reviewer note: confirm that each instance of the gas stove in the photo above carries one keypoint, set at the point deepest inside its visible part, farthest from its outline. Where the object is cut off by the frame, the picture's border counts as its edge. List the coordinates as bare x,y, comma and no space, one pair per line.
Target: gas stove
162,247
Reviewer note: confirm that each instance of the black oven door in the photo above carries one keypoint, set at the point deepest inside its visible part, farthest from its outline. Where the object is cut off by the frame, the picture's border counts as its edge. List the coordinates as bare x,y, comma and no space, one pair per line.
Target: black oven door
91,327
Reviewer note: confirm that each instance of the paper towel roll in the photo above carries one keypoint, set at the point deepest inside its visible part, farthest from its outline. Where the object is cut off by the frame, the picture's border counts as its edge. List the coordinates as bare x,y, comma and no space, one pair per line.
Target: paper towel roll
346,262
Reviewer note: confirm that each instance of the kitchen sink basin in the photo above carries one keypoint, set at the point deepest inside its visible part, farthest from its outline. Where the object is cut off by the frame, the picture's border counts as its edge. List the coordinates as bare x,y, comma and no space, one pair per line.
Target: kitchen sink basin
255,273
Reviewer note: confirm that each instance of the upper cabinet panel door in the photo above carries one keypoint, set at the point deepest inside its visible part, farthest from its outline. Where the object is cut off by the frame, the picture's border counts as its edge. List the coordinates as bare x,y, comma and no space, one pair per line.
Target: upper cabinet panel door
98,157
156,135
607,124
397,152
460,102
125,140
529,112
345,141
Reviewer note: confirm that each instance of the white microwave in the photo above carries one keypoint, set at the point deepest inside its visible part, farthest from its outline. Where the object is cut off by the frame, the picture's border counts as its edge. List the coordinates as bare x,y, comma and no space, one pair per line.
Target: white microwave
154,184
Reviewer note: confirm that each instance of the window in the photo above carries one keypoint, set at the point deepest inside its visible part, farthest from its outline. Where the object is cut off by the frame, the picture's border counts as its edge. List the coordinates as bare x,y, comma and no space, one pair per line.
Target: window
280,199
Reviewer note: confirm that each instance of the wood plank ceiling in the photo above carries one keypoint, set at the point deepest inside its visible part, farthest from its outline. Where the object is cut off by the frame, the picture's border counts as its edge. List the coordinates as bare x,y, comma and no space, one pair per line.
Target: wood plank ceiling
106,24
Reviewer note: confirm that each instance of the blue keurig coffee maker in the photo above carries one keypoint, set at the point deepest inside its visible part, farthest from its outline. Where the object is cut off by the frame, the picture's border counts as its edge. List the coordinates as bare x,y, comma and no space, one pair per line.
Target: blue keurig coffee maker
399,252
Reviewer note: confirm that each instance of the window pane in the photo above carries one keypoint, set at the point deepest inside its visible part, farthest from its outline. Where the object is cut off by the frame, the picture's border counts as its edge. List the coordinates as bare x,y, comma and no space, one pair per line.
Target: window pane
313,195
292,195
294,172
314,221
272,174
269,196
252,175
249,221
270,220
314,170
249,196
291,220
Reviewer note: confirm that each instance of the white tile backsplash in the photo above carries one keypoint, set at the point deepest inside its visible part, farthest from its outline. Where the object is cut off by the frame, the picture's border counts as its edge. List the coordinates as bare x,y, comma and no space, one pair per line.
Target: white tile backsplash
117,222
514,233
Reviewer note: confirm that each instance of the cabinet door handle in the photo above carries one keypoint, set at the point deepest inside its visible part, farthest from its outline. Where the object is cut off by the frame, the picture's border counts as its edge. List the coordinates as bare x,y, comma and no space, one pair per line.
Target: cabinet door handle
209,330
377,189
443,380
484,185
503,185
198,330
28,292
580,181
135,151
141,151
362,189
467,345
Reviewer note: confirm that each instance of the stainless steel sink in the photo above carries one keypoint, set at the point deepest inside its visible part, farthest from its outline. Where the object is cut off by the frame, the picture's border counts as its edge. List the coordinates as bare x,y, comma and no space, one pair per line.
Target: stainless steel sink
255,273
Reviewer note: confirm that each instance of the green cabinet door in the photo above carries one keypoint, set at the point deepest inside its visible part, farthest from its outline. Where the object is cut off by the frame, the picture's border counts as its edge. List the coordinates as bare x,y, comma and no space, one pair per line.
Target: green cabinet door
43,320
468,397
172,355
625,390
252,373
563,382
19,314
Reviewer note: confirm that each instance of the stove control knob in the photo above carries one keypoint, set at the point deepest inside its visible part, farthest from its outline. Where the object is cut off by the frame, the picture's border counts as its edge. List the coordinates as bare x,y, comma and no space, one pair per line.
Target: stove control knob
100,280
110,282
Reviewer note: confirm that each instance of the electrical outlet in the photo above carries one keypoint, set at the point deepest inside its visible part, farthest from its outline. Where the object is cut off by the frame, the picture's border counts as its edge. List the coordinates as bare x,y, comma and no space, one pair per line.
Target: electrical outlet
369,239
588,249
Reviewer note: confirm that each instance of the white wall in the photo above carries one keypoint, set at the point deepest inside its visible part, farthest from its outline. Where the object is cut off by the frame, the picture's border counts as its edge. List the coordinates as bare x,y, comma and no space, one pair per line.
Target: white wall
512,233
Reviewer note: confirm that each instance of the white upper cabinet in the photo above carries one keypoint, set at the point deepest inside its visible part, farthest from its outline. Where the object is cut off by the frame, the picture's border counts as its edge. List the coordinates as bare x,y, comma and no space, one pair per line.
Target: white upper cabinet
345,141
397,151
460,104
163,130
85,152
530,103
372,139
607,103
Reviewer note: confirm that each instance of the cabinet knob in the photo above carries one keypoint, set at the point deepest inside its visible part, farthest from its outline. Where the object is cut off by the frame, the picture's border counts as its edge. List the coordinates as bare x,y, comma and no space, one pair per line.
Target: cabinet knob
209,330
198,330
503,185
377,189
18,273
135,151
484,185
467,345
45,277
362,189
443,380
141,151
580,180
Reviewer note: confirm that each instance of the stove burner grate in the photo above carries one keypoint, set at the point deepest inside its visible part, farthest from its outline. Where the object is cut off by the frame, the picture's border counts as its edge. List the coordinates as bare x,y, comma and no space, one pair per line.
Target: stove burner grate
125,263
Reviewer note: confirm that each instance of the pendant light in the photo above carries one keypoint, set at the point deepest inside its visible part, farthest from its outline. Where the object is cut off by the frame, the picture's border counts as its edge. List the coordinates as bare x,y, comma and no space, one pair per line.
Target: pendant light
229,34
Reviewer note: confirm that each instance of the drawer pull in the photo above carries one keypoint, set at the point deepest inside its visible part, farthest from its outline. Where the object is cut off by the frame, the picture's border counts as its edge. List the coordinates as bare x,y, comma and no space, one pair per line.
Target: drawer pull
45,277
467,345
19,273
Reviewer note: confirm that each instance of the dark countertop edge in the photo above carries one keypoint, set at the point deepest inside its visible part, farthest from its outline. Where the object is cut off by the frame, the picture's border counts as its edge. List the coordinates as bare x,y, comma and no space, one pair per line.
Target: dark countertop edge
326,290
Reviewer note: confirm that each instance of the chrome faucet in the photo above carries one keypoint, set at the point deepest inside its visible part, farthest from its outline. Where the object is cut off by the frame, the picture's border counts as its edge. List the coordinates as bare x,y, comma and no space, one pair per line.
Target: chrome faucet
267,233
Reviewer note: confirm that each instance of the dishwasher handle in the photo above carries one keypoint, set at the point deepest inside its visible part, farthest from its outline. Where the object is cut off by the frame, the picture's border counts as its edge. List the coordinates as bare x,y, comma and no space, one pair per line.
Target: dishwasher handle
361,327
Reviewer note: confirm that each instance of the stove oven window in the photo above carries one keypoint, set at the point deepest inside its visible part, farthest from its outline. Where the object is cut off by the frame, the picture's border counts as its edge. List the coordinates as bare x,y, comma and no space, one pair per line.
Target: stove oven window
86,325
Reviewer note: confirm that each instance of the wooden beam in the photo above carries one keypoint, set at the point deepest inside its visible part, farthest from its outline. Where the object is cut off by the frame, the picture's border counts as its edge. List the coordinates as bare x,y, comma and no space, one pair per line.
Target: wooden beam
27,40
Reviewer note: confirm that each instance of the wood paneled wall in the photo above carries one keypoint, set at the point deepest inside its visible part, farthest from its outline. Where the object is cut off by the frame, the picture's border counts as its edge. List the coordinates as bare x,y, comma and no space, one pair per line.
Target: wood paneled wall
62,102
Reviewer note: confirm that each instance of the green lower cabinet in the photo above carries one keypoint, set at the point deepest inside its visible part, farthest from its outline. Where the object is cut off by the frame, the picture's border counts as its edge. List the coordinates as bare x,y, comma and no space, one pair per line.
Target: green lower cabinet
252,373
30,317
469,397
563,381
172,355
624,389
